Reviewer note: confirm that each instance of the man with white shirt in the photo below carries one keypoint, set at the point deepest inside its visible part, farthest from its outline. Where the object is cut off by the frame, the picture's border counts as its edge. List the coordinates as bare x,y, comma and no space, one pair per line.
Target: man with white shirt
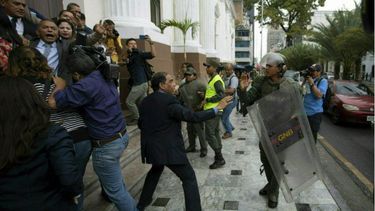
15,10
54,49
231,84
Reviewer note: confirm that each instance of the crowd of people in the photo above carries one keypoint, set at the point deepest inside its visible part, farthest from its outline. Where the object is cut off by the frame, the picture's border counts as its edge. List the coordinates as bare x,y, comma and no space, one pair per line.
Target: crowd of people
70,109
60,105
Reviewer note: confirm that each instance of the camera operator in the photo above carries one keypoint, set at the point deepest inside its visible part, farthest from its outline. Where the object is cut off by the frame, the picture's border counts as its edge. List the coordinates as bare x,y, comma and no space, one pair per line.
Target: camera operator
316,87
137,67
97,97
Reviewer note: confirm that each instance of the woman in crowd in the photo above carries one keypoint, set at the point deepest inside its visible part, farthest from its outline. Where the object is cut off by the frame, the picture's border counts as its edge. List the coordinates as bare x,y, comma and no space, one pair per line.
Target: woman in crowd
37,165
30,64
66,29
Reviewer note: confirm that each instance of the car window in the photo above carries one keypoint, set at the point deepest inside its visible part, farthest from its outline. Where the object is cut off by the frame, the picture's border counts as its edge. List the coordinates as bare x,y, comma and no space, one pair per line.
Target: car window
350,89
365,89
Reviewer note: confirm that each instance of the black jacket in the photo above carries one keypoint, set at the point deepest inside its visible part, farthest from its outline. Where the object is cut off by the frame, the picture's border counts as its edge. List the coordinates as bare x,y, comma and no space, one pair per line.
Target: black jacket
63,52
160,117
47,180
29,28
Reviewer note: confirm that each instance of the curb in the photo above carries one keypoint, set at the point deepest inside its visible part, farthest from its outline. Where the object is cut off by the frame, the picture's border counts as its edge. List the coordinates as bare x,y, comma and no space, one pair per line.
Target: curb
365,185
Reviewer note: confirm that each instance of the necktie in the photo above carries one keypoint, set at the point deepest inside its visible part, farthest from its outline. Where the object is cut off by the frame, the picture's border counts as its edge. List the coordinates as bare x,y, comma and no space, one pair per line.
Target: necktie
14,23
47,50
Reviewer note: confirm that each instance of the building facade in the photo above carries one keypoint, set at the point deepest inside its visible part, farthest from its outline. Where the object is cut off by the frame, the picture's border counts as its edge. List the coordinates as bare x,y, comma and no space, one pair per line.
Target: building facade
214,38
244,39
275,39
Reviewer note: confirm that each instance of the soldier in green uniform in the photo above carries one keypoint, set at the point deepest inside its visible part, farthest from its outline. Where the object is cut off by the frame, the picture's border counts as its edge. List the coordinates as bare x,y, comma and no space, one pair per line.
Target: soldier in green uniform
189,95
262,86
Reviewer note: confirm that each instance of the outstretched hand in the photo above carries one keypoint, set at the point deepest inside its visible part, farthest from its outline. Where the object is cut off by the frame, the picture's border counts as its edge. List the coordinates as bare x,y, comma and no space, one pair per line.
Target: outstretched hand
224,102
99,28
244,83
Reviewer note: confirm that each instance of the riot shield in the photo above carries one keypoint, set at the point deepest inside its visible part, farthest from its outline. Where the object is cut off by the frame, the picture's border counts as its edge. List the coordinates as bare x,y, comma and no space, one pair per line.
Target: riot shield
284,132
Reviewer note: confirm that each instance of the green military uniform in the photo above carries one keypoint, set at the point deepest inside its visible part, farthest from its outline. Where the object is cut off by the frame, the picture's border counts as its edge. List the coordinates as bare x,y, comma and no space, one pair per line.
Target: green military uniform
189,97
261,87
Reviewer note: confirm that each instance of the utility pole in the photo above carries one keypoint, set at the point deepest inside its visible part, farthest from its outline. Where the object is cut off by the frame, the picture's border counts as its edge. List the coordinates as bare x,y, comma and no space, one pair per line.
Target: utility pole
261,32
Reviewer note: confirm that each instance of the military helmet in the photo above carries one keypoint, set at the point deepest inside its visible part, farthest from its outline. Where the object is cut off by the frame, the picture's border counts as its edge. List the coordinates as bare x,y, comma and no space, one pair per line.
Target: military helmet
275,59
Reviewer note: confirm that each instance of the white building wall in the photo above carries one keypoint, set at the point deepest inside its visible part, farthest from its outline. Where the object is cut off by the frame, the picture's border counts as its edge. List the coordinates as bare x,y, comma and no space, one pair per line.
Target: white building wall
225,30
207,26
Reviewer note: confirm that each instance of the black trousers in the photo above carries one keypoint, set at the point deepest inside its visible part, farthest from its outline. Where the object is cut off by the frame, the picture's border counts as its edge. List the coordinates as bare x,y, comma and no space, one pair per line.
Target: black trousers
314,121
272,185
194,130
189,183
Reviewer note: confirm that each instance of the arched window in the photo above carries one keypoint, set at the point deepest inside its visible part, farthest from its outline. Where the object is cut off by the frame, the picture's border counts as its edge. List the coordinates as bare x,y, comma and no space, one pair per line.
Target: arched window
155,12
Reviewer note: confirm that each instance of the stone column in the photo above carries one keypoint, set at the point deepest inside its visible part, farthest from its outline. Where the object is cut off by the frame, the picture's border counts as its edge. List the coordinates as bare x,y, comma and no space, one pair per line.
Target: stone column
207,26
132,17
186,9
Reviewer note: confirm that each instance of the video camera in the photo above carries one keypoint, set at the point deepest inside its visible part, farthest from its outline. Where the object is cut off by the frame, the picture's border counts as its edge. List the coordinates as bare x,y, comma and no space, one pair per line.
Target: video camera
97,55
307,72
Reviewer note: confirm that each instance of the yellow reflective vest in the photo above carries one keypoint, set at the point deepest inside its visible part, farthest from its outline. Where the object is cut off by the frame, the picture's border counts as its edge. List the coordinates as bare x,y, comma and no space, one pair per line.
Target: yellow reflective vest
210,92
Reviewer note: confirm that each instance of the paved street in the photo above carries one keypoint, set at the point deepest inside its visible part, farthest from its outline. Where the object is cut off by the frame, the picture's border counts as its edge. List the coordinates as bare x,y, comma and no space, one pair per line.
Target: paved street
354,142
236,185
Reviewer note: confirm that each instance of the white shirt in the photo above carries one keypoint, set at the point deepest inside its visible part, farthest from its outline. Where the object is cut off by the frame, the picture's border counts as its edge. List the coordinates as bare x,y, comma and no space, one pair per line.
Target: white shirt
19,25
53,56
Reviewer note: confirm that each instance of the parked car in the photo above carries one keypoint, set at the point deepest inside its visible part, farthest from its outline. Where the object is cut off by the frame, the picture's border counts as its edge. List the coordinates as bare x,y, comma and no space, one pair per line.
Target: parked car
349,101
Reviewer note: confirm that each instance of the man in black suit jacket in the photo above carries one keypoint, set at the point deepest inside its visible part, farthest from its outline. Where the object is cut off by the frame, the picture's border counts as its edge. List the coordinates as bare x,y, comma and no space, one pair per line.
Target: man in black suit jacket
13,13
162,142
58,52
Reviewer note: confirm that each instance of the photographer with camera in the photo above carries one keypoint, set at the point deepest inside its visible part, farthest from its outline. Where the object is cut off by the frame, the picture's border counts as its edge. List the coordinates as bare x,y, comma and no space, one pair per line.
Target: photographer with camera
138,68
315,89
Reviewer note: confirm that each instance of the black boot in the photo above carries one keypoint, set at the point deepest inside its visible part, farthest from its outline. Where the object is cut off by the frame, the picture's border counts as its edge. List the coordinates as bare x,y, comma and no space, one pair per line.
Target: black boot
190,149
219,161
264,190
272,200
203,153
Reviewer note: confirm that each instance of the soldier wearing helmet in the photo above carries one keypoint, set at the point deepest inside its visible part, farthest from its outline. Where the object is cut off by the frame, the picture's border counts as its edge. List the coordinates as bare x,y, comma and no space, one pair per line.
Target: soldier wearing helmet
274,64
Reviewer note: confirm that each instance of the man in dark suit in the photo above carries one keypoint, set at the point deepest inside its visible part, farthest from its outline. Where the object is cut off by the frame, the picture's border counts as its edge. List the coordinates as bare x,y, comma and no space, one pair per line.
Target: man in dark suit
162,142
14,12
53,48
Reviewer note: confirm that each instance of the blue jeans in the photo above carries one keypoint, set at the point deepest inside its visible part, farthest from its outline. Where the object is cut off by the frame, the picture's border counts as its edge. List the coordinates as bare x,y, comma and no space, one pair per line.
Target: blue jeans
226,114
106,163
83,152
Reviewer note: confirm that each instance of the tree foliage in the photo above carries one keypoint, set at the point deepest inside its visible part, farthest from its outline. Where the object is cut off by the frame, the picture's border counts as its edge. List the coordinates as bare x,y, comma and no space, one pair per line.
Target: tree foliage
249,4
184,25
343,40
292,16
300,56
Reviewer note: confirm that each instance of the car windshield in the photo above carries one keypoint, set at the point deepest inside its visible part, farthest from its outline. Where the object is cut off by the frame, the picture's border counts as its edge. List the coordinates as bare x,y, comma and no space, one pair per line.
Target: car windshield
350,89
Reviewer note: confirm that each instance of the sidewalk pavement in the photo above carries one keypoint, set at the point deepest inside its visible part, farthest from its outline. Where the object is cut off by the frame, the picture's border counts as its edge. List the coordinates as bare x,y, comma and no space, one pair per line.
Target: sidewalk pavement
234,186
